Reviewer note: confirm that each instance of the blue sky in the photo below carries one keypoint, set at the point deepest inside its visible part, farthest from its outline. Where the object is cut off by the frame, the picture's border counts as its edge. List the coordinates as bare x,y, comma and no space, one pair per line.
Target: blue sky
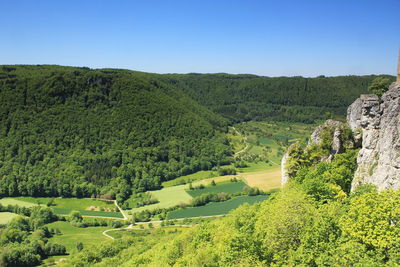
270,37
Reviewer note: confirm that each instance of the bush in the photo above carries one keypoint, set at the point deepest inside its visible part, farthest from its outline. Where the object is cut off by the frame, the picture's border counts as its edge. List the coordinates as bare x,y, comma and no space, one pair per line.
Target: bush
226,171
379,86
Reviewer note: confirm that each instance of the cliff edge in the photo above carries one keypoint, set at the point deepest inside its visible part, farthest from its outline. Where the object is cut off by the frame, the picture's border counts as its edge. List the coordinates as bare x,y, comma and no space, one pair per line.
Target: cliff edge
377,123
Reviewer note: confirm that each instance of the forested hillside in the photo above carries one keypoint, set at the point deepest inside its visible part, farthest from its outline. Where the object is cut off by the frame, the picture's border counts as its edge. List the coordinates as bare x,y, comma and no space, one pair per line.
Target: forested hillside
293,99
68,131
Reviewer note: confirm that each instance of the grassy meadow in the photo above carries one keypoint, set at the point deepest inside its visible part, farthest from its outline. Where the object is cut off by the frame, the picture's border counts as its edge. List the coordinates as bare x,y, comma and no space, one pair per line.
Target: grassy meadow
63,206
17,201
71,235
167,197
6,217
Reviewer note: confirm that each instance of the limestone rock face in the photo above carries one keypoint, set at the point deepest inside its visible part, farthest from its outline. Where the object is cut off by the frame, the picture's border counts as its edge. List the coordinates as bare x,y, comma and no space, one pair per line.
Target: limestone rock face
284,171
377,123
335,130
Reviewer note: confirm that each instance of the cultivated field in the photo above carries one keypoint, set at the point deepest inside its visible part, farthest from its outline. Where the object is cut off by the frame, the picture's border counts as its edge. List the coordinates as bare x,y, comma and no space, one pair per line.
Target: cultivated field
265,180
227,187
6,217
215,208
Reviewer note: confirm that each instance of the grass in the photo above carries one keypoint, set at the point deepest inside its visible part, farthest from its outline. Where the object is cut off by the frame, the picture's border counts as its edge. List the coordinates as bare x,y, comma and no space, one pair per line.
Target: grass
215,208
64,206
258,166
110,214
6,217
236,140
230,188
167,197
70,203
190,178
13,201
70,235
269,139
265,180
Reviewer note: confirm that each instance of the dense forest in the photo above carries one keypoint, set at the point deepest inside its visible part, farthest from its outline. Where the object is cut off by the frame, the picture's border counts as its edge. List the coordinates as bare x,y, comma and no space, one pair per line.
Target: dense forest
78,132
293,99
67,131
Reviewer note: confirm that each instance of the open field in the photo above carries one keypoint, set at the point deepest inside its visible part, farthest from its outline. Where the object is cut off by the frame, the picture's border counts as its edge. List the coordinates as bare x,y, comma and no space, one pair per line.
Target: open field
70,203
6,217
215,208
167,197
16,201
63,206
264,180
229,187
70,235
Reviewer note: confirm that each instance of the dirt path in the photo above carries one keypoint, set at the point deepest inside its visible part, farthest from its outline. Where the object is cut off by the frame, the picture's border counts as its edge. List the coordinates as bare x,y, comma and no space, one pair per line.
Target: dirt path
118,229
245,140
120,210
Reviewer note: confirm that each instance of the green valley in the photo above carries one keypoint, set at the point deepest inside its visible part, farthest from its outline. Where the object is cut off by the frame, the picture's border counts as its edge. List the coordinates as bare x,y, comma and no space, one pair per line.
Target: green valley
104,158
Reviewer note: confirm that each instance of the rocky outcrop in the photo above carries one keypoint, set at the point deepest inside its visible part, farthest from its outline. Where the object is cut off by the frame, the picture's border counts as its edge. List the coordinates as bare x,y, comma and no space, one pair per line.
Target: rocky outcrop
331,136
333,130
377,123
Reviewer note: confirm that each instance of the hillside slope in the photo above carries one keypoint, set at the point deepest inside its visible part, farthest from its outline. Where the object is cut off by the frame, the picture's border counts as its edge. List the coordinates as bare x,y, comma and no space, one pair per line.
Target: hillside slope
294,99
68,131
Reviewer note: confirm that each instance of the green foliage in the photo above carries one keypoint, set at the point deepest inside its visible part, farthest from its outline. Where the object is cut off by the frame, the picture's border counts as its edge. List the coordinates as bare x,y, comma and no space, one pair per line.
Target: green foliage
23,242
140,200
373,219
380,85
329,181
78,132
226,171
207,198
79,246
226,187
293,99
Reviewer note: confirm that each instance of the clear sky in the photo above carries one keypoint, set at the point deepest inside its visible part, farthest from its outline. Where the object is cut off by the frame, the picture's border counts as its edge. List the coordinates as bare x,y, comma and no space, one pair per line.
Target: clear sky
265,37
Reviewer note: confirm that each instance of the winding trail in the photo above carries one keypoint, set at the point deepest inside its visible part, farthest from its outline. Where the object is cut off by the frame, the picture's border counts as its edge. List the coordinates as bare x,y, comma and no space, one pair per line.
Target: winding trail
245,140
118,229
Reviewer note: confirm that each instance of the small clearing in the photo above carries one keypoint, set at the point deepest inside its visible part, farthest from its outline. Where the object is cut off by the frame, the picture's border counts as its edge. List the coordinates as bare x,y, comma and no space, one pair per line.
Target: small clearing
6,217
